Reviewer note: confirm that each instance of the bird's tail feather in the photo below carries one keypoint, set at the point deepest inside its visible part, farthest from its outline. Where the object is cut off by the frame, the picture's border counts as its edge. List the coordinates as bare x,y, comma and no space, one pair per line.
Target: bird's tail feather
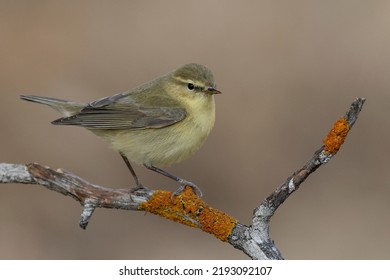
65,107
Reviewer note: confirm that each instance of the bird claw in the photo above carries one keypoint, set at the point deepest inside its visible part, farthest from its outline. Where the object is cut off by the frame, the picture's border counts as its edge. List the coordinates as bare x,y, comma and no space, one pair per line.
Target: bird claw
138,188
183,184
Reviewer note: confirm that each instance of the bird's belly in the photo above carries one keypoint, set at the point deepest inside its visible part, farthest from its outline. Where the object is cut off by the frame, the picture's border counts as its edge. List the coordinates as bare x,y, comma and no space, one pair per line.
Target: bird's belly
160,146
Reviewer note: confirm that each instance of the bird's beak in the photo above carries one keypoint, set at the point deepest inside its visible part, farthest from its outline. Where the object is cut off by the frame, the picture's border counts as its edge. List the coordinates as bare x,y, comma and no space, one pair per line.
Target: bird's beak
212,90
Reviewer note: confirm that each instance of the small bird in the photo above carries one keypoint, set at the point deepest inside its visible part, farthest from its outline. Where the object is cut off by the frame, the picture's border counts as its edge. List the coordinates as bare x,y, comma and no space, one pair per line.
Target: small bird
155,124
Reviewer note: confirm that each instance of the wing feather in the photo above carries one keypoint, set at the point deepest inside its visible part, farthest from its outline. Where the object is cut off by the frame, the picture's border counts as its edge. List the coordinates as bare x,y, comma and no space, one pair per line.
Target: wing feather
133,117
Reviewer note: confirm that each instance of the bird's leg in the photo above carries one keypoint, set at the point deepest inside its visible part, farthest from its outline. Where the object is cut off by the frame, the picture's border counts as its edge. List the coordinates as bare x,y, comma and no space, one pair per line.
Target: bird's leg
183,183
137,182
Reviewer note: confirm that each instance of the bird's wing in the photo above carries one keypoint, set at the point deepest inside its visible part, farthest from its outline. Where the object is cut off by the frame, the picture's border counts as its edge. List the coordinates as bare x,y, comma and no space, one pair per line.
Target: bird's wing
107,101
116,113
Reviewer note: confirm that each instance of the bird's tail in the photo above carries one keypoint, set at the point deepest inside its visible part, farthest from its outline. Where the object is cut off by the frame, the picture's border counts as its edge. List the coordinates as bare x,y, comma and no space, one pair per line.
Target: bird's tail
66,108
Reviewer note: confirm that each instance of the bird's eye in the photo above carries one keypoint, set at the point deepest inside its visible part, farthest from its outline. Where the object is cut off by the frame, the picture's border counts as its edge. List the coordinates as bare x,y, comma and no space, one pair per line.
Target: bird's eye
190,86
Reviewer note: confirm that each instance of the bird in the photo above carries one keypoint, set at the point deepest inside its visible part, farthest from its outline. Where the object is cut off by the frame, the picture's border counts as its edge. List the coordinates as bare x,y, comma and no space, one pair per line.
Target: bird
156,124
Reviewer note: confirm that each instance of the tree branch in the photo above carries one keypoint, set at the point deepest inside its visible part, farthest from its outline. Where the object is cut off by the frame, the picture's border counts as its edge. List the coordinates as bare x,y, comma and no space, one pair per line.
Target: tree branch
258,245
187,208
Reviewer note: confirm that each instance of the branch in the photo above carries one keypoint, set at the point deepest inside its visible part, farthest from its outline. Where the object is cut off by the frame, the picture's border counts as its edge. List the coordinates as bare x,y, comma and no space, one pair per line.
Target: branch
256,242
186,208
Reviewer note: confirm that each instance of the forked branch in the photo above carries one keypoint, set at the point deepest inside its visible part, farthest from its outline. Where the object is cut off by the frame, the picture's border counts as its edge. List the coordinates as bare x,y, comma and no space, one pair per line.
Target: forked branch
187,208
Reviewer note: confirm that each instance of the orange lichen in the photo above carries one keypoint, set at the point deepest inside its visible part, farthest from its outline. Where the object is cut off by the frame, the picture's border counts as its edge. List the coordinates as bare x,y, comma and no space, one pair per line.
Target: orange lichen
189,209
336,136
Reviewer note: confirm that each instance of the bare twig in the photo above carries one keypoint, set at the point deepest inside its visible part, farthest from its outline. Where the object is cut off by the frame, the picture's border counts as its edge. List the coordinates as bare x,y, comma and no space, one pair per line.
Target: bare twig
187,208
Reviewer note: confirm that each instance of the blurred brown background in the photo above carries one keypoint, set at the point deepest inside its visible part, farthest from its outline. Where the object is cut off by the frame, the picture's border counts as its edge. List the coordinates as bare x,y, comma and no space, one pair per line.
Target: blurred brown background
287,69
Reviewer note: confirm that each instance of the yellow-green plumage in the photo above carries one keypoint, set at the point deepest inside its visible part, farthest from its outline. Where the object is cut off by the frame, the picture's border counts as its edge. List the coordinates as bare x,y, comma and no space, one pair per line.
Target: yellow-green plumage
156,124
164,146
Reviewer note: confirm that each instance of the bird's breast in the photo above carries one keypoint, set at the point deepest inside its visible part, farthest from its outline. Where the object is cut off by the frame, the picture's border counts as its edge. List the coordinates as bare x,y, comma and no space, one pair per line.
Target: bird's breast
167,145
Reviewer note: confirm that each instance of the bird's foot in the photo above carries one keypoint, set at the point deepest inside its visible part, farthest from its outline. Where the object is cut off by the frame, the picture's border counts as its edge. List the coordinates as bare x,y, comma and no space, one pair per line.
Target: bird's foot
183,184
137,188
